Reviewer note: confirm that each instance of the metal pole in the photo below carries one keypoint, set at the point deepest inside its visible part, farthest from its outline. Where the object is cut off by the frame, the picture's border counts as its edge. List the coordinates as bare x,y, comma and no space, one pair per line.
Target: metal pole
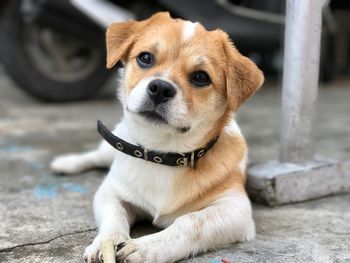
300,78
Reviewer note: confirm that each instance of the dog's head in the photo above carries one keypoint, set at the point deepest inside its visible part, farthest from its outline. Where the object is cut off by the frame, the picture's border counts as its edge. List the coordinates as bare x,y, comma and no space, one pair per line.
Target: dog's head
179,75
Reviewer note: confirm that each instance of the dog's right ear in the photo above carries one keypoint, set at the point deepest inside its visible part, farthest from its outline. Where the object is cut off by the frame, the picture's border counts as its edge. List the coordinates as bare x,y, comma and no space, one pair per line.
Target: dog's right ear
121,36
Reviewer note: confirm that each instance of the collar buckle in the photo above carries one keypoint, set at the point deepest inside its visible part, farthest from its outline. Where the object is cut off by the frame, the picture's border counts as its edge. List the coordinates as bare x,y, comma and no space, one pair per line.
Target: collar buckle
183,161
186,161
145,154
192,159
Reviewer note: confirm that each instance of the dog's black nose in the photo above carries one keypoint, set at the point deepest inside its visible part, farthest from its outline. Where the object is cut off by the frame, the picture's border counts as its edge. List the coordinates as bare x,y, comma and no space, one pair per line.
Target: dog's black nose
160,91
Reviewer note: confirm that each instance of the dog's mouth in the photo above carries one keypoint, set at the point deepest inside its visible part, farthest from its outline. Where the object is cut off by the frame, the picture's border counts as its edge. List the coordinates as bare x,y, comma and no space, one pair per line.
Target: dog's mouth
153,117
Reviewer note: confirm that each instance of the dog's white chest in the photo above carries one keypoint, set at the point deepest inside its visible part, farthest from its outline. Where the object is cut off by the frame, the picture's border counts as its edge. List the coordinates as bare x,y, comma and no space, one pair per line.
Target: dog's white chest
145,184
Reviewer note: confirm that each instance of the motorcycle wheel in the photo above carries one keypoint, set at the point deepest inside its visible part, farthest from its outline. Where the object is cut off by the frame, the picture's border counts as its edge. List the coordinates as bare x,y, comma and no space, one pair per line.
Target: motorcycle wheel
47,63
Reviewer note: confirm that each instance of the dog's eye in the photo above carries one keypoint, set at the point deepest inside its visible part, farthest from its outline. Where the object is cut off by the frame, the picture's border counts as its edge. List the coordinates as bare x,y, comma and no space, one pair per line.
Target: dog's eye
145,59
200,78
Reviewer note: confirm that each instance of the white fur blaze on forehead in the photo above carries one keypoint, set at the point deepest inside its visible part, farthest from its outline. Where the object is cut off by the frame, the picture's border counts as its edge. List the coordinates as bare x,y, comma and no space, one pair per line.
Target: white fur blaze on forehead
188,30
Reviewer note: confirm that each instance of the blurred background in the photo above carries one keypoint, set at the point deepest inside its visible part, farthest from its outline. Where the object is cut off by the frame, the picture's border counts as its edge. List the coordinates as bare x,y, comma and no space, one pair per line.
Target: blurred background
55,50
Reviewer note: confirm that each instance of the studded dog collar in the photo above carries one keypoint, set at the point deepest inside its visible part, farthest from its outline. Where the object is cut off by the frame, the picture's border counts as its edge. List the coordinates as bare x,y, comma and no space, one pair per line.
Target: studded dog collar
166,158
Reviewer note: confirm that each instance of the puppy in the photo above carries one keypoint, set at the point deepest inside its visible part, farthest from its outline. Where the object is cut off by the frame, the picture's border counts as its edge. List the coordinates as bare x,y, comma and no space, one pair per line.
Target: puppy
180,88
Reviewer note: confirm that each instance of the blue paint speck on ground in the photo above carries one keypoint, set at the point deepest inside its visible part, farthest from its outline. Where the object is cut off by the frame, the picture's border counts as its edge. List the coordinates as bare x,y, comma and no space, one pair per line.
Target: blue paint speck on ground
75,188
52,190
15,149
46,191
36,165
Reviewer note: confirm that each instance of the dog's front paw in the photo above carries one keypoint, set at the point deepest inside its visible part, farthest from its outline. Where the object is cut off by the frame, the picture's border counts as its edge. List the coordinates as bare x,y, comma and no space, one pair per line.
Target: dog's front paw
68,164
139,250
93,253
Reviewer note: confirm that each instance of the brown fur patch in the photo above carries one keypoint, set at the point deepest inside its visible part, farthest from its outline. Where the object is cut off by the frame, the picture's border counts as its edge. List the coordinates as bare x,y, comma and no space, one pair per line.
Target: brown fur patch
215,173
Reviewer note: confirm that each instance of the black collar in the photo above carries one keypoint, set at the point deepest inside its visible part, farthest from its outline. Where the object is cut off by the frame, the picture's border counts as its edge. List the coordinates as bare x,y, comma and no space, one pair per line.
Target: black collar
165,158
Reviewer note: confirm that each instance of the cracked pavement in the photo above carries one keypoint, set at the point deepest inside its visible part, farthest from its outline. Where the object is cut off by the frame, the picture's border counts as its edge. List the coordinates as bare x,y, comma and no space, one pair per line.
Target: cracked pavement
48,218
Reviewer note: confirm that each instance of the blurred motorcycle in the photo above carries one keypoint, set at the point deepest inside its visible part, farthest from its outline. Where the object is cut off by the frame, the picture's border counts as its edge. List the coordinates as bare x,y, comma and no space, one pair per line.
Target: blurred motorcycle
53,51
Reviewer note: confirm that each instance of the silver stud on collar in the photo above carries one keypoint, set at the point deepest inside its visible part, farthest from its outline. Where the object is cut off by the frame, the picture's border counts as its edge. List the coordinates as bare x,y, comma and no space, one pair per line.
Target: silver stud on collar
200,154
157,159
119,146
138,153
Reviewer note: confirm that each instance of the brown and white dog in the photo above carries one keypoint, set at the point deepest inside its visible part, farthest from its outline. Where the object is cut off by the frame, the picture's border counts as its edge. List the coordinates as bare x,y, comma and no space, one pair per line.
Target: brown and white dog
201,80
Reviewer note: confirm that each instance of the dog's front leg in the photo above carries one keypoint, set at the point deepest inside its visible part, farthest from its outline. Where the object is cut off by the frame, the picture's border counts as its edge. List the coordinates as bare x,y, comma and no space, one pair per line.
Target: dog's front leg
113,218
72,163
226,221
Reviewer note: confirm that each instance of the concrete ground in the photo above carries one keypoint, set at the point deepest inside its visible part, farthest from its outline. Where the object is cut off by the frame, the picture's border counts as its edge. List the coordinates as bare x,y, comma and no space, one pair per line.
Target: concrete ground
48,218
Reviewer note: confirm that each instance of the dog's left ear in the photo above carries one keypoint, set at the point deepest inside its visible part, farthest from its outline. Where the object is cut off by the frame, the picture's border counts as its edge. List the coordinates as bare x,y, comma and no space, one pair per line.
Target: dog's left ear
243,77
121,36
